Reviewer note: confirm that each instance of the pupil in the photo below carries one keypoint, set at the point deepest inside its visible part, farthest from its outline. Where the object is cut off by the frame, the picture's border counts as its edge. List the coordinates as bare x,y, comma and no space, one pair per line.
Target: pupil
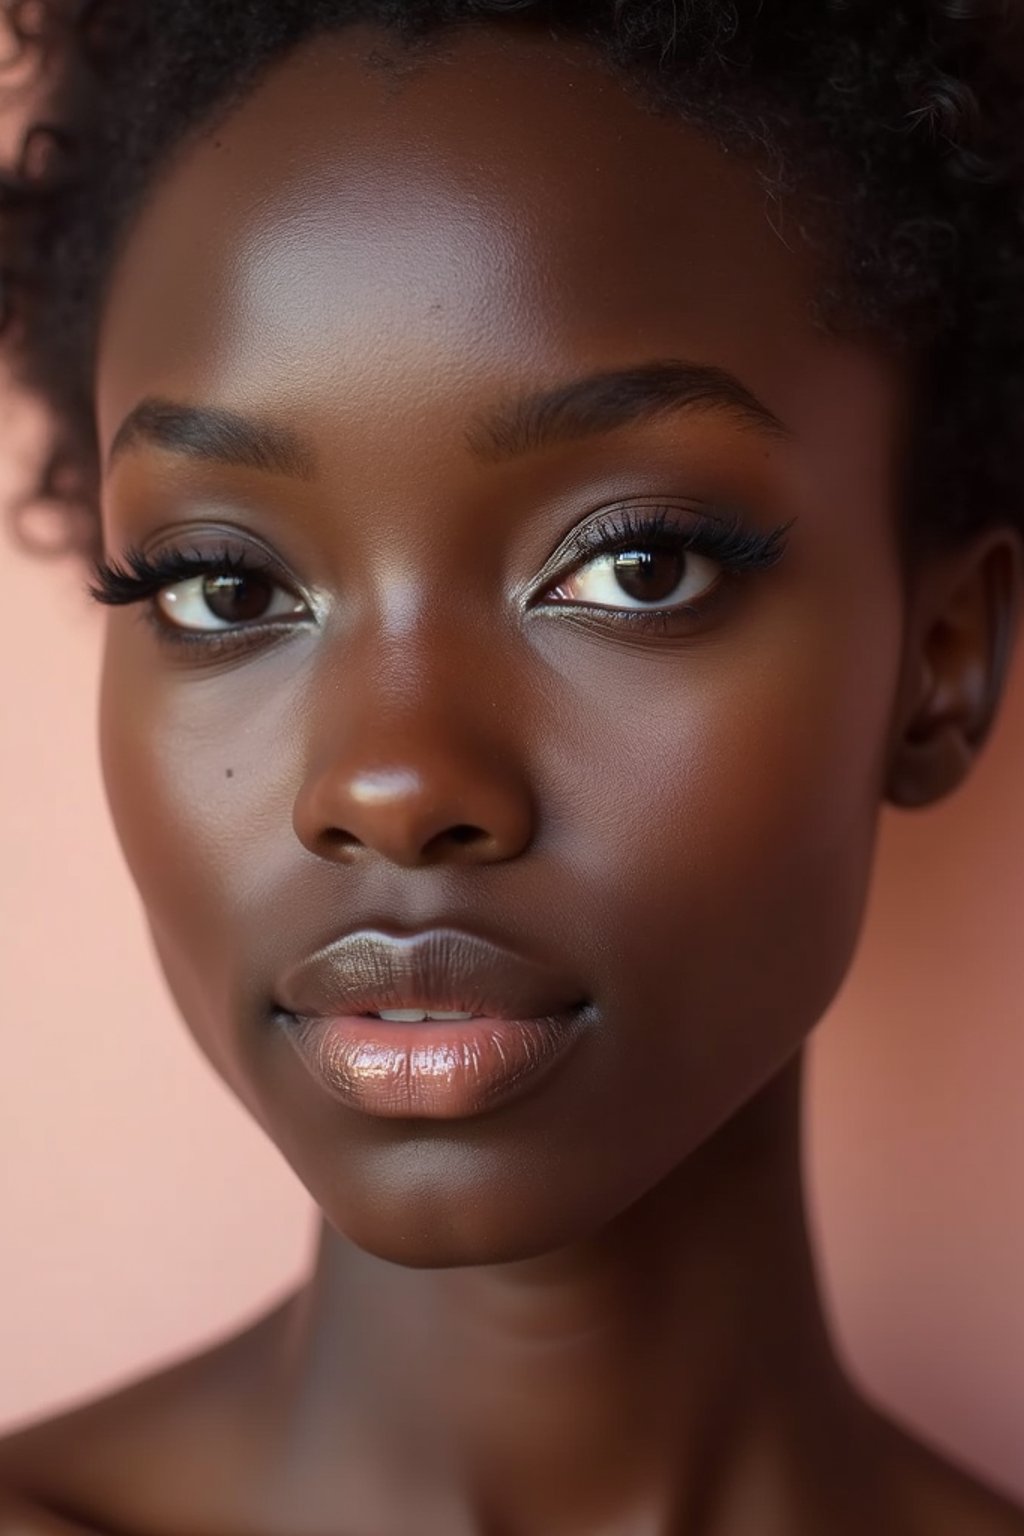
236,599
649,575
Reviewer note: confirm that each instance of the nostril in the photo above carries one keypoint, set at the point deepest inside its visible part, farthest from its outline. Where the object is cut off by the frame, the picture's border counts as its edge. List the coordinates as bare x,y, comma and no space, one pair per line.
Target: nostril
335,840
337,837
460,835
464,833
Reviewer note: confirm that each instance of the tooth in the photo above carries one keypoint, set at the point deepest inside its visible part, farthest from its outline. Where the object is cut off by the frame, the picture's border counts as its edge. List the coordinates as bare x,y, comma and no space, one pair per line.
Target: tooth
417,1015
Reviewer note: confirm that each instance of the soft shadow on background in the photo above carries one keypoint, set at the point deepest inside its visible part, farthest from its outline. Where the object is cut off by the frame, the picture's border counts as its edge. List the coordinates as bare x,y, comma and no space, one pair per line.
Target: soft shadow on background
141,1214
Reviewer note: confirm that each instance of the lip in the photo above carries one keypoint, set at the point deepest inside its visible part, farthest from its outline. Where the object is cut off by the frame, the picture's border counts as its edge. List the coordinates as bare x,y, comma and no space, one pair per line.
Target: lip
442,1071
442,969
526,1019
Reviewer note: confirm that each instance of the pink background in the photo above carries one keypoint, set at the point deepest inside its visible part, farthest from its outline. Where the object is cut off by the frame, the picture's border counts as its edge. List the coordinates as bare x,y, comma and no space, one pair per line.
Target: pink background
141,1214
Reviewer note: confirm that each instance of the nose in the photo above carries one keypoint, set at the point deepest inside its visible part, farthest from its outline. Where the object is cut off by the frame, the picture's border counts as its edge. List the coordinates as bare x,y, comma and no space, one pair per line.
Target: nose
414,775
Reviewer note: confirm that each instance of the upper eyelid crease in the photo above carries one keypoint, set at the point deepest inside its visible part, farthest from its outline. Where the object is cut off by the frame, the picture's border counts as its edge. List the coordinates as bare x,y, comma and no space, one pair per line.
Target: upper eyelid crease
137,575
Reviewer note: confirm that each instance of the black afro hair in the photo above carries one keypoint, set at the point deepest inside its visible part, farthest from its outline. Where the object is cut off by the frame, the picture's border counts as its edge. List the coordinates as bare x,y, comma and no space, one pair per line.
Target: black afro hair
901,120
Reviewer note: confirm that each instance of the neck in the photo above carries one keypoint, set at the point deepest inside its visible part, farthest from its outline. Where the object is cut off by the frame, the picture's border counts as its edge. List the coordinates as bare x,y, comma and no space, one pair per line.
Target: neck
660,1370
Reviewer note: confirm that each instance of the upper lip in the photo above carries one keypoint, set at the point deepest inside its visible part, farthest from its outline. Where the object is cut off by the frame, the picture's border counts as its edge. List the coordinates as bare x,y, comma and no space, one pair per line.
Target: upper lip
443,970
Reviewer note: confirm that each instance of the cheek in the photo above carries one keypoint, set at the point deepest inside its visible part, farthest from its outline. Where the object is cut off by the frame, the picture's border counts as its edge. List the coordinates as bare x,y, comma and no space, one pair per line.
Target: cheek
200,773
738,808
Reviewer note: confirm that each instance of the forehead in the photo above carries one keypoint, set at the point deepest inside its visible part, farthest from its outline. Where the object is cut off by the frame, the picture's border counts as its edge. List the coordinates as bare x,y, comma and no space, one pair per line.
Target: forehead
370,225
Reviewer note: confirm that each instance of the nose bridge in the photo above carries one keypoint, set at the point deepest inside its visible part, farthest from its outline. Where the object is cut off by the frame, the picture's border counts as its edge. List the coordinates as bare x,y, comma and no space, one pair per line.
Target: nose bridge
411,750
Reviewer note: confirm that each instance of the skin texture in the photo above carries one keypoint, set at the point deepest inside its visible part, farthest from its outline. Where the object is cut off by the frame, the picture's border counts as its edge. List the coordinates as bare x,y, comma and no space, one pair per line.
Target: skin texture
592,1309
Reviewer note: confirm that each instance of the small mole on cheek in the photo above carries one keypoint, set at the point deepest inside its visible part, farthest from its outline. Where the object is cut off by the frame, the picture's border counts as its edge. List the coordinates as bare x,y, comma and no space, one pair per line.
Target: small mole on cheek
229,773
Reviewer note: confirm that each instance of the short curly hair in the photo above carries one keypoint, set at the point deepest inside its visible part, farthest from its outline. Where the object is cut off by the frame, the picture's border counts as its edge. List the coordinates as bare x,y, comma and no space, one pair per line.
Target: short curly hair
900,119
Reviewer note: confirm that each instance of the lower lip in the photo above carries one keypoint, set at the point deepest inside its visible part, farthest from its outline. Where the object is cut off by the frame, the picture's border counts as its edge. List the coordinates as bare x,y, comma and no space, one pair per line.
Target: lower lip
435,1070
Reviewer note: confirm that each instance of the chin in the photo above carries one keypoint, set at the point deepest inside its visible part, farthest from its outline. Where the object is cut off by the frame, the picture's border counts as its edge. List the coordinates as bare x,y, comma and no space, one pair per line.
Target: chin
427,1207
428,1250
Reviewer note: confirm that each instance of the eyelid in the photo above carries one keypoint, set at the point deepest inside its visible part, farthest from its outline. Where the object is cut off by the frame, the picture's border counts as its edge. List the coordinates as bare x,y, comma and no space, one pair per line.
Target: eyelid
717,533
725,540
720,536
140,572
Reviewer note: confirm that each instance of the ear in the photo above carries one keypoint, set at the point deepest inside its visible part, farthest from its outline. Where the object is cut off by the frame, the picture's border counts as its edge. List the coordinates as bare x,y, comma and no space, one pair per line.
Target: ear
961,621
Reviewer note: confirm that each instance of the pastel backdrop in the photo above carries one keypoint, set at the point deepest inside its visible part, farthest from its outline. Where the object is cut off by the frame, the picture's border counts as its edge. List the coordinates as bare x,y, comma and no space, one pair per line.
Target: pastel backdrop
142,1215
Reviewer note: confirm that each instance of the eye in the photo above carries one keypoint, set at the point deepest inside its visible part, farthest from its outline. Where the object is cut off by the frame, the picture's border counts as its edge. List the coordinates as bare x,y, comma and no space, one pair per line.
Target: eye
651,563
201,595
639,578
221,600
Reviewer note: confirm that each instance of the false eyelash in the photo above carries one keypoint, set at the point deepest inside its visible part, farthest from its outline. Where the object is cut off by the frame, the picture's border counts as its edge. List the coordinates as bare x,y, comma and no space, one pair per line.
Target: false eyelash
727,542
142,576
737,548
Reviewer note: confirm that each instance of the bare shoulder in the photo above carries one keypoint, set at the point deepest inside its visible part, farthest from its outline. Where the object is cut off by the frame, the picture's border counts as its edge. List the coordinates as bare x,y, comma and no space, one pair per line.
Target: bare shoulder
934,1496
19,1517
25,1517
123,1461
952,1503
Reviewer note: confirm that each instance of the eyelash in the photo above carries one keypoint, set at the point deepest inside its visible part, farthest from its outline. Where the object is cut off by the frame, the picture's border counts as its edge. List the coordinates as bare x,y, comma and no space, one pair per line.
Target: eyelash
726,542
142,577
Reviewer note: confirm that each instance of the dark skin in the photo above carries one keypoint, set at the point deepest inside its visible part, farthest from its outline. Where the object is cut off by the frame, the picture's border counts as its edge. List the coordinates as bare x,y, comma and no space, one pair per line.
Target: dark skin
592,1309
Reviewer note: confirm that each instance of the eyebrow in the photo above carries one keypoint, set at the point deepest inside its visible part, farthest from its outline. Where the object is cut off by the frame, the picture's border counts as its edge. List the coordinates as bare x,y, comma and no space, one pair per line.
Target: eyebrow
216,434
604,401
581,408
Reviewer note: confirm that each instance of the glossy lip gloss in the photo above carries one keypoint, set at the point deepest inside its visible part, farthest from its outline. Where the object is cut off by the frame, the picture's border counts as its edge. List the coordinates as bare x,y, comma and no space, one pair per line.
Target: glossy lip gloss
434,1069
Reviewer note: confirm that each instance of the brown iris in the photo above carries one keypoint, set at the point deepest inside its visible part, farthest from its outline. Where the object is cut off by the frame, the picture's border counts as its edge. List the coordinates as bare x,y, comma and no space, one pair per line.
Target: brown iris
649,576
238,598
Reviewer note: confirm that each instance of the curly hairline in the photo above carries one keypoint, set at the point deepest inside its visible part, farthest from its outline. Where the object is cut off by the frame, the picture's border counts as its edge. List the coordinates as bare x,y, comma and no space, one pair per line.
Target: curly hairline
913,110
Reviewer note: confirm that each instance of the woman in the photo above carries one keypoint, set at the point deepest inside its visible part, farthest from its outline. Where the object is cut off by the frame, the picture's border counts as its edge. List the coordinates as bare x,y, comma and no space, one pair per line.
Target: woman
554,476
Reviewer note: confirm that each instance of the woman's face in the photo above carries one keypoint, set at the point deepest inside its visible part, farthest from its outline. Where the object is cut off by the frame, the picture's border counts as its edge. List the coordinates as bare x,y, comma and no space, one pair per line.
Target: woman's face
653,776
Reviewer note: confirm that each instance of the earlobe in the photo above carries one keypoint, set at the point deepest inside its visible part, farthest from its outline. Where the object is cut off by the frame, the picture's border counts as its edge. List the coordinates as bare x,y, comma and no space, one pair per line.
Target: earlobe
959,642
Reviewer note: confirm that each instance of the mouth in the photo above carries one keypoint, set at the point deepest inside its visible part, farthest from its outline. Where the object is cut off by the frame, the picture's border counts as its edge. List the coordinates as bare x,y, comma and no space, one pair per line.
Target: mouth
441,1025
